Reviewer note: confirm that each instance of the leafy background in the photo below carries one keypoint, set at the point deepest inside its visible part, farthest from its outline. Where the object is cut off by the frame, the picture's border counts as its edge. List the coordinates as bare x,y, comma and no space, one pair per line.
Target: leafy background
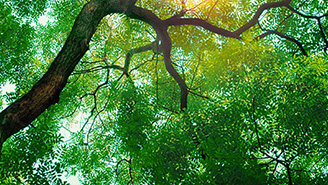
257,113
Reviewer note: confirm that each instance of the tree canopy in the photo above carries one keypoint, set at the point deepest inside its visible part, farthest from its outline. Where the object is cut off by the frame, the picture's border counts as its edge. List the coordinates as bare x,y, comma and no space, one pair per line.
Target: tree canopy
164,92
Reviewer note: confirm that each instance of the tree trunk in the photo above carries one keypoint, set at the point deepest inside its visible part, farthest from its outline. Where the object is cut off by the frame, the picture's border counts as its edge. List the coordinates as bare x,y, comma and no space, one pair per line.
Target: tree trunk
46,91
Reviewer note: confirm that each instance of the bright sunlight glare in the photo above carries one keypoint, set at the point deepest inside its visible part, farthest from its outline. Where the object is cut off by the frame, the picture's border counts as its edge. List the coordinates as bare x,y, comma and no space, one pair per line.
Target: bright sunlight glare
6,88
190,4
195,3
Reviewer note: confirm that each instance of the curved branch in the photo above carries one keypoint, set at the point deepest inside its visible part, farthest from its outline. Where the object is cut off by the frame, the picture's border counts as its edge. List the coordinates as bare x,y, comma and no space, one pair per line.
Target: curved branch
303,15
318,18
152,46
160,28
322,32
167,45
46,91
269,32
208,15
258,13
175,21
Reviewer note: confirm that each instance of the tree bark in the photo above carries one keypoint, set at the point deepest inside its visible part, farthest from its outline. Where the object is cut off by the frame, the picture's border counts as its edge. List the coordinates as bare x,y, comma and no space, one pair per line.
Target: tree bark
160,26
46,91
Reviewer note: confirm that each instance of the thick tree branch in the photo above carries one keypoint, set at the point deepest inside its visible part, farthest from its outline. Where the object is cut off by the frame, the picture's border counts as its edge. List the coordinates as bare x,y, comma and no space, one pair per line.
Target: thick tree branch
167,45
161,27
46,91
175,21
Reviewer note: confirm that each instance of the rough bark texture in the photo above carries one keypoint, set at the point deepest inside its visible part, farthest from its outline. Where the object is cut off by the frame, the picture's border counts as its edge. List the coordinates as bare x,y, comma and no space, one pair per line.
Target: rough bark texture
46,91
161,27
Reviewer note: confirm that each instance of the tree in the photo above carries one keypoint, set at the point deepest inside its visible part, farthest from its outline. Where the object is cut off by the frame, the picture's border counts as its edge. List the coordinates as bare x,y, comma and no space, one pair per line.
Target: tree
245,100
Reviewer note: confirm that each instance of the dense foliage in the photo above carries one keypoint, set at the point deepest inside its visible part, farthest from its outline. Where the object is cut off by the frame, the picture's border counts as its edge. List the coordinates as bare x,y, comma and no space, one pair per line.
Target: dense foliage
257,106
